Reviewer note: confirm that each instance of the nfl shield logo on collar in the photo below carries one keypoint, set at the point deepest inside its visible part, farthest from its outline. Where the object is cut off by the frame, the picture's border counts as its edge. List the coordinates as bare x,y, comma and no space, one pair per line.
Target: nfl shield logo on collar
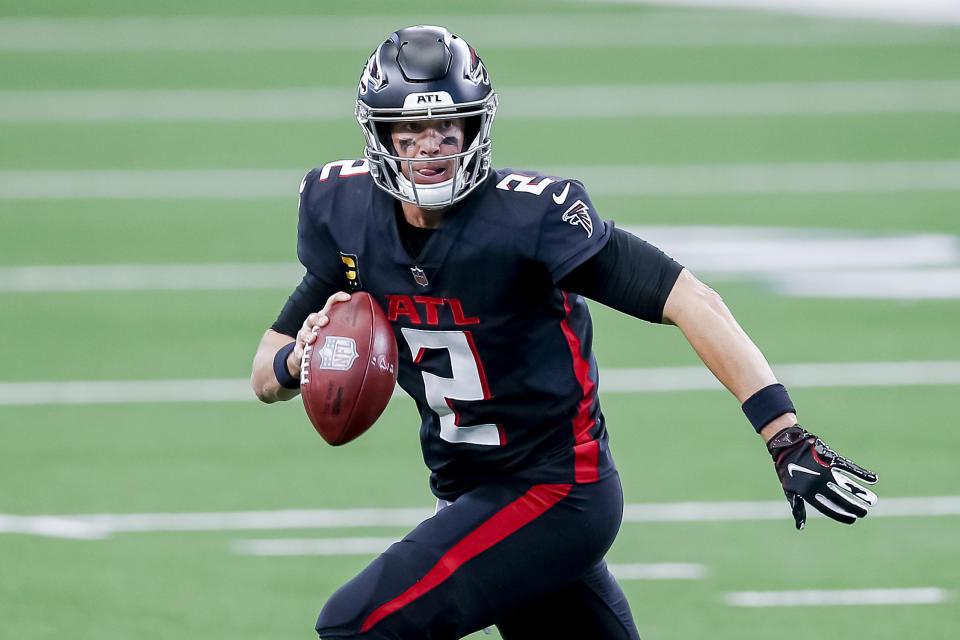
419,276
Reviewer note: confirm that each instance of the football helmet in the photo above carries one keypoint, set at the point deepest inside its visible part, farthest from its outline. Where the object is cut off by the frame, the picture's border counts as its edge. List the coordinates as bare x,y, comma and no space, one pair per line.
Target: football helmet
426,73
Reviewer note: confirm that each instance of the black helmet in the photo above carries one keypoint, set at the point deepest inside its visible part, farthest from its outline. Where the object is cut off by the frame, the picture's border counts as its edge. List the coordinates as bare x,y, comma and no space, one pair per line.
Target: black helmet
422,73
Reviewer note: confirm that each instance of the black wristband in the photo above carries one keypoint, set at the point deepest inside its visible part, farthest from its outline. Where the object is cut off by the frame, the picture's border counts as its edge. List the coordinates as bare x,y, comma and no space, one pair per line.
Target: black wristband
280,369
765,405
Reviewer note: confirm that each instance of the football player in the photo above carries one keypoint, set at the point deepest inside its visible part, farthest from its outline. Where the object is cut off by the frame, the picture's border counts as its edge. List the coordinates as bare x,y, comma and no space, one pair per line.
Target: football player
483,275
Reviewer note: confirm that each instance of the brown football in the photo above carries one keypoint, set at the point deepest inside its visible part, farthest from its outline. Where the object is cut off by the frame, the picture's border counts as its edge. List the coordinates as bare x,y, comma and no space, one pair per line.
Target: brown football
348,375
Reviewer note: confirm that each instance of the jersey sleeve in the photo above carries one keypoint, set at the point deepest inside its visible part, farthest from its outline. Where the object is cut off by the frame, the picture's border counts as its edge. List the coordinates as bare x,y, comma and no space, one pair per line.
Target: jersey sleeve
309,296
316,248
629,275
571,232
318,254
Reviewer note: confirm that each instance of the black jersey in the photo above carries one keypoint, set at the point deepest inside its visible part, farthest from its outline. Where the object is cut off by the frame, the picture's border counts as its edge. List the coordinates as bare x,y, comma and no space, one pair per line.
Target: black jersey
497,357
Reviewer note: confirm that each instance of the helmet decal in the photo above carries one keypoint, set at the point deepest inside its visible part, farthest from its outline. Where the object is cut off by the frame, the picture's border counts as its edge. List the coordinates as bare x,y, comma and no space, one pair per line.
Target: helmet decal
372,79
476,73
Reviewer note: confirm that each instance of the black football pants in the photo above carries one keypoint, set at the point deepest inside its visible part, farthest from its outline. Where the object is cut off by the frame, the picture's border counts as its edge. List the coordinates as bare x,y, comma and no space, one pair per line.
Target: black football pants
526,558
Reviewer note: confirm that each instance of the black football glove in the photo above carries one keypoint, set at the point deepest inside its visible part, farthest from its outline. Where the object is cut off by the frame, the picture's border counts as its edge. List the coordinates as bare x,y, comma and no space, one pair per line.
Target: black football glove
809,471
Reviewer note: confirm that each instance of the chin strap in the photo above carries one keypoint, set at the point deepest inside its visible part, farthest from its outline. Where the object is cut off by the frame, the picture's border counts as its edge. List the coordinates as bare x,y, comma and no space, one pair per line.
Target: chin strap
441,194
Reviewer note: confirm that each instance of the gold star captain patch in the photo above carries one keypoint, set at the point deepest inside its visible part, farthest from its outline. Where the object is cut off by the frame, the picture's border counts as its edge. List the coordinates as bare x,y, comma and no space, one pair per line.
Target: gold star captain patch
351,270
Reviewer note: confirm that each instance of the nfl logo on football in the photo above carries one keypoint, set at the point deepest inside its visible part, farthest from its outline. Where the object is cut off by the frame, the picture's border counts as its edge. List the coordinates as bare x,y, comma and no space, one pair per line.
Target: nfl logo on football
338,353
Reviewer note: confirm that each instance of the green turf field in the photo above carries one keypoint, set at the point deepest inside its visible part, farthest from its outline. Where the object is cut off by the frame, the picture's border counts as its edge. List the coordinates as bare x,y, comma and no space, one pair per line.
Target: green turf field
146,576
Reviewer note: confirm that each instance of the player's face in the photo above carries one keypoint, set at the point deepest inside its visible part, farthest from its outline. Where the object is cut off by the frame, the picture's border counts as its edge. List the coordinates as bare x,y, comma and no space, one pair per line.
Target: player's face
428,139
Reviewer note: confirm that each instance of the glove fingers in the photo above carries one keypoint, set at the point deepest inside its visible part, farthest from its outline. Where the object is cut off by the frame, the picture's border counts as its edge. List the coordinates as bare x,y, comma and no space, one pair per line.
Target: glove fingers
845,502
831,509
864,496
799,511
855,470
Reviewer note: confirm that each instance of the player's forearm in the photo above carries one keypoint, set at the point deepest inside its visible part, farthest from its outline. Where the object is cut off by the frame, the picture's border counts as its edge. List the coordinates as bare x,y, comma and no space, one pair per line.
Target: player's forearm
263,379
721,343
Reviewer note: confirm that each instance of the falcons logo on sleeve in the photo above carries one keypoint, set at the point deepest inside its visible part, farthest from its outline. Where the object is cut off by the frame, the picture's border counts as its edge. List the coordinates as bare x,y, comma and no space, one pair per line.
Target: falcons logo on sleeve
578,214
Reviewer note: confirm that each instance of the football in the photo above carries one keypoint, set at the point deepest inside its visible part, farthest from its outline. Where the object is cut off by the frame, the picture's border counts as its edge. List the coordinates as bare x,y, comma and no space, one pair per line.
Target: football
348,374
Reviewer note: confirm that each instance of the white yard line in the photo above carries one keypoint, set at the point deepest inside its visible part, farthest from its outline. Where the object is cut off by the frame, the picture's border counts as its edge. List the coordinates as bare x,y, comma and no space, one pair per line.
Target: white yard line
694,378
146,277
151,183
934,12
105,524
614,180
600,101
841,374
774,510
125,391
176,105
786,256
899,284
361,33
312,546
658,571
828,177
760,99
760,253
375,545
839,597
798,262
735,249
829,282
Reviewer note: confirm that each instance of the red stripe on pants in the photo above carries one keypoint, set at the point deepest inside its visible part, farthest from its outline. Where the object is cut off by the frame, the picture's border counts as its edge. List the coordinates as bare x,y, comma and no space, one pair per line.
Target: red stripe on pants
521,511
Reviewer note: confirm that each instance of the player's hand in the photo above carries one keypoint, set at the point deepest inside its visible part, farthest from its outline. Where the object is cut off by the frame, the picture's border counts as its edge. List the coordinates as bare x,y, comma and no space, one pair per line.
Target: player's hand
812,472
307,333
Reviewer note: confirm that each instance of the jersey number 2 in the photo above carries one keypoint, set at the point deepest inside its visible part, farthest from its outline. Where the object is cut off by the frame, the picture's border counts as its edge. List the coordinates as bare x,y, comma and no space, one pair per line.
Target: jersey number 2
467,383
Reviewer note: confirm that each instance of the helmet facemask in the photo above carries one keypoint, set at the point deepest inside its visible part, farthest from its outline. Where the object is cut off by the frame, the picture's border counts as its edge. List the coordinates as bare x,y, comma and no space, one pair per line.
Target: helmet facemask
471,164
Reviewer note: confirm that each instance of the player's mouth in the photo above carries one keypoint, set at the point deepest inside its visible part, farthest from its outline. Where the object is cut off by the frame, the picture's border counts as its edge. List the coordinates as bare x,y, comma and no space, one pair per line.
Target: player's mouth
431,173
